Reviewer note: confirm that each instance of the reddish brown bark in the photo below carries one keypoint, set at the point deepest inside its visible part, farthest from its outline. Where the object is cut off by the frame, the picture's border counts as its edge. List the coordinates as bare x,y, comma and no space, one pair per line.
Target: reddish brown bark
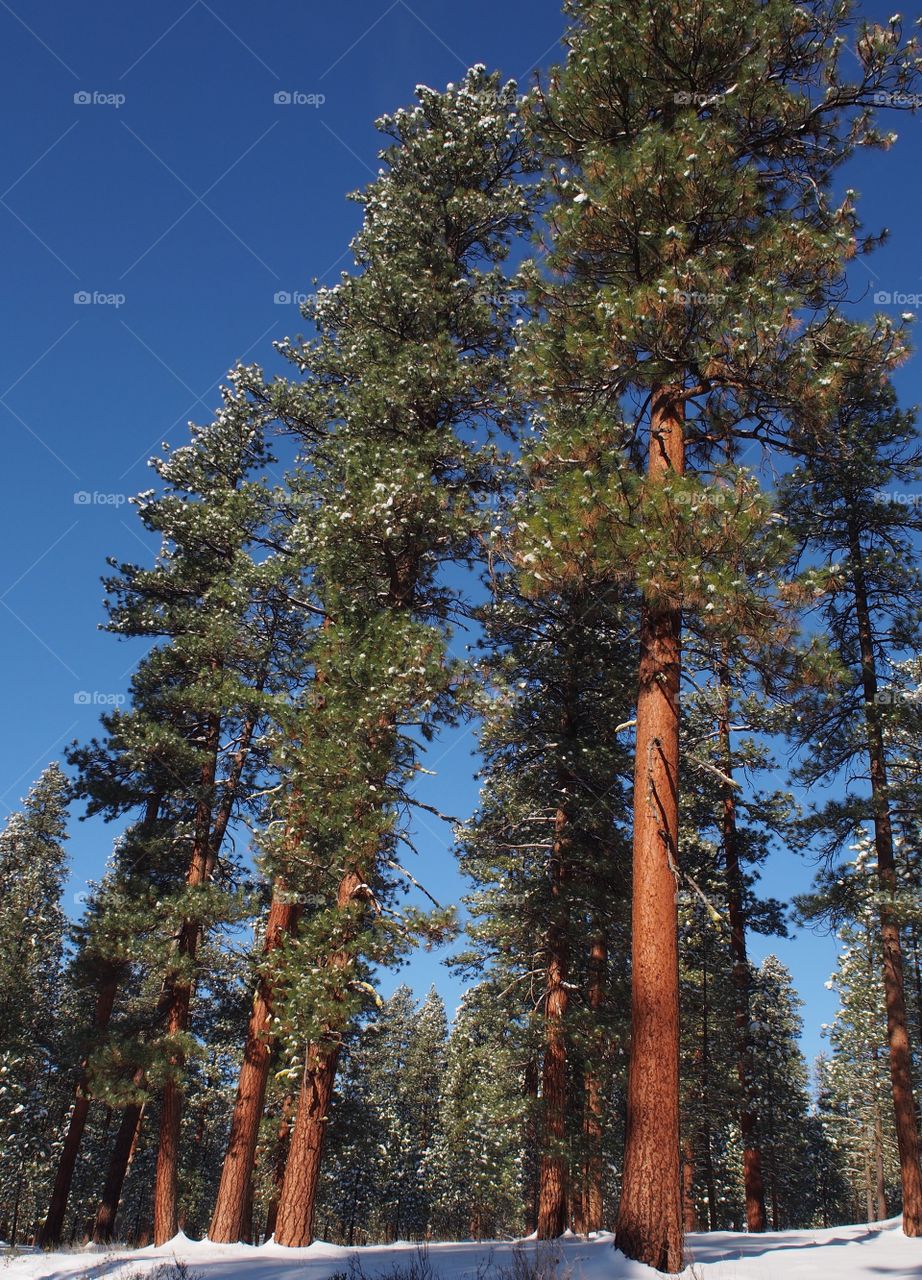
298,1198
122,1153
907,1130
229,1222
753,1180
177,996
294,1225
166,1181
649,1225
552,1178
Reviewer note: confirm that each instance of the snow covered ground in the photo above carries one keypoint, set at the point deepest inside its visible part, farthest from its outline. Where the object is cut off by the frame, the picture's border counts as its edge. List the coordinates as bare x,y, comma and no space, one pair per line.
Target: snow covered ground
877,1252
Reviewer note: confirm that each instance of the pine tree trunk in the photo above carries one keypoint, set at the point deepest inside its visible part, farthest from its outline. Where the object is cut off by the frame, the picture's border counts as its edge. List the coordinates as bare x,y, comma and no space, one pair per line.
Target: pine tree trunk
710,1180
119,1161
228,1223
14,1225
552,1191
577,1204
53,1227
298,1198
593,1207
650,1212
177,999
907,1130
166,1181
689,1205
773,1160
753,1181
282,1144
294,1224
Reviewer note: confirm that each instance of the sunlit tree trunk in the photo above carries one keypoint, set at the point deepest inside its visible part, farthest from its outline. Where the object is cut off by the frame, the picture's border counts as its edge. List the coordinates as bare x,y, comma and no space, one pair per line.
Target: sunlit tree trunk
229,1221
650,1213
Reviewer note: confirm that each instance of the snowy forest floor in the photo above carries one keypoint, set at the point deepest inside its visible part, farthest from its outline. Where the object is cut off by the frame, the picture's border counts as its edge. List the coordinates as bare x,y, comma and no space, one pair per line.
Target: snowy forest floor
876,1252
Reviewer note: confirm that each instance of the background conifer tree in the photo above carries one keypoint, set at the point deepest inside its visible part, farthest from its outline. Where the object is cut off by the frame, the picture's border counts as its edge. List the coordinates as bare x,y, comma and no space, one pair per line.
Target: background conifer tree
33,1012
409,373
843,505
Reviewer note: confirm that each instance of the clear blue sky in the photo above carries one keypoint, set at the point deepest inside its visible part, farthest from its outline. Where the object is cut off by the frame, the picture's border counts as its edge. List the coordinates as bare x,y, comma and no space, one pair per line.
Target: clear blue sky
178,194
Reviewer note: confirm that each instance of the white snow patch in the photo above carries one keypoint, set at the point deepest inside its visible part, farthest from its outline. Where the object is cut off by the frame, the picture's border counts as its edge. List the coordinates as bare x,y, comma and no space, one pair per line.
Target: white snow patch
878,1251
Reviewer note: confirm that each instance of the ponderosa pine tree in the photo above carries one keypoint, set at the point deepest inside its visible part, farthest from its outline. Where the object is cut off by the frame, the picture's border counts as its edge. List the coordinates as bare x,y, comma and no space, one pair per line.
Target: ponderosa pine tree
33,866
408,359
408,370
227,626
843,505
693,153
233,1201
231,1217
188,745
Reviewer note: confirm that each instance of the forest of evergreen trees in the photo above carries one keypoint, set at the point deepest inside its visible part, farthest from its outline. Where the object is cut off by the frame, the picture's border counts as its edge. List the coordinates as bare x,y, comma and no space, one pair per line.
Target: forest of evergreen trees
588,448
